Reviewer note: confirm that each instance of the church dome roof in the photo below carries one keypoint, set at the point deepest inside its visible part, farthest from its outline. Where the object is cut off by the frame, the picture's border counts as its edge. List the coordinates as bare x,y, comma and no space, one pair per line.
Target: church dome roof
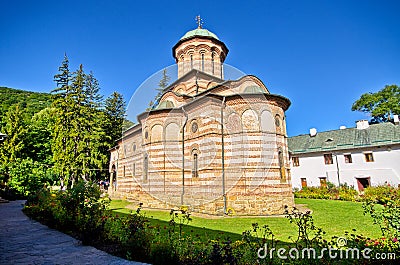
253,90
199,32
167,104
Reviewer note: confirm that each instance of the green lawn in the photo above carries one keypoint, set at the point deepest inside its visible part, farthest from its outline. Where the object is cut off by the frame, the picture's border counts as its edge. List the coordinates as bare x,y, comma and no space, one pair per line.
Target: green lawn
334,217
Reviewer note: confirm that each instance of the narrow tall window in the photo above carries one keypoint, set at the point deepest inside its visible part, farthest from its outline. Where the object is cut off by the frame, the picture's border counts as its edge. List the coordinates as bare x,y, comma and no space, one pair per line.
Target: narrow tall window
124,172
281,165
182,64
133,169
328,159
145,168
202,62
191,61
212,62
195,172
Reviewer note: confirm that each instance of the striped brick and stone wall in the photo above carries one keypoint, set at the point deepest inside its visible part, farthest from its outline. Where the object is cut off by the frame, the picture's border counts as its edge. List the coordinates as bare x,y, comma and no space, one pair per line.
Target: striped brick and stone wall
217,146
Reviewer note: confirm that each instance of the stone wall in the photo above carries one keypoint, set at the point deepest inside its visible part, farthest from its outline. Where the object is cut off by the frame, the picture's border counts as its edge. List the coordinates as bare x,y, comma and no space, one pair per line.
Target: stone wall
257,180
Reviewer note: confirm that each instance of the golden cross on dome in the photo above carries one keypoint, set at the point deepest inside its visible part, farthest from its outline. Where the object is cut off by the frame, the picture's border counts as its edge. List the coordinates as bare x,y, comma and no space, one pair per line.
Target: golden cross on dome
199,22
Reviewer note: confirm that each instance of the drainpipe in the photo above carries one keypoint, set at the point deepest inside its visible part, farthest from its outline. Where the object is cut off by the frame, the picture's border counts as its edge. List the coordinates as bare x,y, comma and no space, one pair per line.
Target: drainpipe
223,153
183,155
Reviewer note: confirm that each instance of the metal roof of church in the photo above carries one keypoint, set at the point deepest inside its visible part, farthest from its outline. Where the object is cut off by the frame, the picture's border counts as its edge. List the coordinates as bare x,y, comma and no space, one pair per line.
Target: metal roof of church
342,139
199,32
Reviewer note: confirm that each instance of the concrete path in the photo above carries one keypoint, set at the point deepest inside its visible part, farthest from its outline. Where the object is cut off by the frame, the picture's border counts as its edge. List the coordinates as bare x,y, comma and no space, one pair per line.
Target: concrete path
24,241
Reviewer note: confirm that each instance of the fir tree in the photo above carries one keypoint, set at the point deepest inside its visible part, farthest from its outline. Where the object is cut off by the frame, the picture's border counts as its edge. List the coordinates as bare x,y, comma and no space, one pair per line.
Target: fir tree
79,136
115,114
162,84
62,103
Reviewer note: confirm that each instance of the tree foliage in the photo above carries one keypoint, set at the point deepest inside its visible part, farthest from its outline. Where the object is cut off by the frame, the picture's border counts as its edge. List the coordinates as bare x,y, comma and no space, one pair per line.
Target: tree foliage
63,136
29,102
115,113
12,148
162,84
79,136
380,105
39,136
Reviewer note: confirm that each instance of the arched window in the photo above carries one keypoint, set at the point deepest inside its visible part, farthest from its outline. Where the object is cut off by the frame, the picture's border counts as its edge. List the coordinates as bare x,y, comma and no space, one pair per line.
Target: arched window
202,62
133,170
195,172
281,165
182,63
278,123
212,62
191,61
267,122
145,168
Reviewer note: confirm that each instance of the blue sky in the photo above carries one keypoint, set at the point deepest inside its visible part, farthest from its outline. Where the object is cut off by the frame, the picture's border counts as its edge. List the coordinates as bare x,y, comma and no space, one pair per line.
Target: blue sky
322,55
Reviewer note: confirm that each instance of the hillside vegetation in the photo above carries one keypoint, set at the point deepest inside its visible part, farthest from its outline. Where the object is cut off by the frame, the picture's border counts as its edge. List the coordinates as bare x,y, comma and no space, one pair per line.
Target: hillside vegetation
30,102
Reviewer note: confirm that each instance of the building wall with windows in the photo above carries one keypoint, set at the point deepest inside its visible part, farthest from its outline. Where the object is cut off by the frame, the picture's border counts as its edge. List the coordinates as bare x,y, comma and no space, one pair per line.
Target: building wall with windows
218,146
359,157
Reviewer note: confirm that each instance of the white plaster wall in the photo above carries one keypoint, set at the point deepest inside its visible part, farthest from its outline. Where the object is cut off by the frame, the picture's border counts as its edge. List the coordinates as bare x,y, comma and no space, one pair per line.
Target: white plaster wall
384,169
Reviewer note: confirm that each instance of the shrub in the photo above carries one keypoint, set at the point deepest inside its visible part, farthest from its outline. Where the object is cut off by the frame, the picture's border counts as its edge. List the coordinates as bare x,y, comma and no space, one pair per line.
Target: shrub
313,193
347,193
78,209
380,194
42,206
25,177
385,212
343,192
83,210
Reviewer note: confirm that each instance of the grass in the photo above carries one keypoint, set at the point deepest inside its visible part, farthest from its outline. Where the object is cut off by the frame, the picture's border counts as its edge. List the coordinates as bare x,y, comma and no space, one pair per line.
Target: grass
334,217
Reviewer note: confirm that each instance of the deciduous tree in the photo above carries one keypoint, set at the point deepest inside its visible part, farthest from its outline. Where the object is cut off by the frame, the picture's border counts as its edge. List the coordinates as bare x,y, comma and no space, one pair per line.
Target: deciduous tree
12,148
380,105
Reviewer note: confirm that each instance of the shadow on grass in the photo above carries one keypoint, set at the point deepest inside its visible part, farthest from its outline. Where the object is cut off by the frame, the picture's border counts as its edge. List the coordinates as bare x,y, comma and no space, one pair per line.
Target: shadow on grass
202,233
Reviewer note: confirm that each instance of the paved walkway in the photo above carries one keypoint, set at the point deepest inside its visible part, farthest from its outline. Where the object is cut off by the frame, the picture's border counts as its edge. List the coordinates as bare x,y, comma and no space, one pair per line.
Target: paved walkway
24,241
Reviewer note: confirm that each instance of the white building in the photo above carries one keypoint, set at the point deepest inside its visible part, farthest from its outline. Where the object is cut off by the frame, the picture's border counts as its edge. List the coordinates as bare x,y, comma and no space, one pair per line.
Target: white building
361,156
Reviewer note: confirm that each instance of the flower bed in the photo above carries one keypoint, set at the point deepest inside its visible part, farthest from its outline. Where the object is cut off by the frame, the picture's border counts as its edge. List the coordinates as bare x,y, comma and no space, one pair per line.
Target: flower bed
82,212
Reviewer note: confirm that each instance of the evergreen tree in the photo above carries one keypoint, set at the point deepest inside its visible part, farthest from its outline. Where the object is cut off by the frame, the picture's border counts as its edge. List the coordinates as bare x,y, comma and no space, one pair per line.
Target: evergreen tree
92,154
115,114
162,84
164,81
62,103
80,140
92,88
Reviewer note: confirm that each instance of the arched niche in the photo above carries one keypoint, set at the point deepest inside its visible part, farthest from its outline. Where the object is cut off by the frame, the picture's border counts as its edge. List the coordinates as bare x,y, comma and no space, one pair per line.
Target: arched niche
156,133
233,123
267,121
172,132
250,120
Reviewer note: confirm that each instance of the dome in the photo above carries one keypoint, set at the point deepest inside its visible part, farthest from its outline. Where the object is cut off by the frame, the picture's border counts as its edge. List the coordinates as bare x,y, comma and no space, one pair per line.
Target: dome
199,32
254,90
167,104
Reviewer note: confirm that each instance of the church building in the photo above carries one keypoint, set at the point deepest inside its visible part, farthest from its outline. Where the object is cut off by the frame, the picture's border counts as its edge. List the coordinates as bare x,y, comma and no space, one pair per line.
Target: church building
213,145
